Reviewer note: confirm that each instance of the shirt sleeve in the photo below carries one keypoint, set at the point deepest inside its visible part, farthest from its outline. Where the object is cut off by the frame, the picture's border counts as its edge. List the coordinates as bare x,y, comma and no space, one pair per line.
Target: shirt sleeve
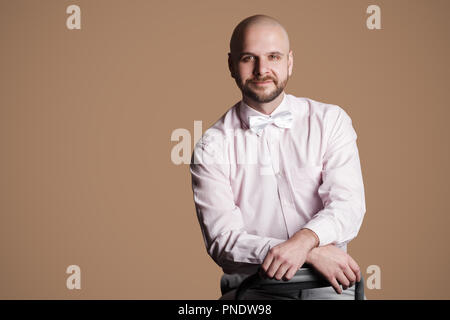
342,189
221,222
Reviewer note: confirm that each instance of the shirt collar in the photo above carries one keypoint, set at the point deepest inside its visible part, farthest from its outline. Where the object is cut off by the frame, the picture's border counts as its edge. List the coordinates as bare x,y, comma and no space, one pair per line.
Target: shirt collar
245,111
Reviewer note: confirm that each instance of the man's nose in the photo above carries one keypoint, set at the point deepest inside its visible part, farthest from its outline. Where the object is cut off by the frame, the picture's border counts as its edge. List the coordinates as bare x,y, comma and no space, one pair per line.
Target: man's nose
261,67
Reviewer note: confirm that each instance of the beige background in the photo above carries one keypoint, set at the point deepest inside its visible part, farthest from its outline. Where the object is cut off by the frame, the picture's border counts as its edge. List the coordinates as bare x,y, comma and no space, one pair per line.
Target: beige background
87,115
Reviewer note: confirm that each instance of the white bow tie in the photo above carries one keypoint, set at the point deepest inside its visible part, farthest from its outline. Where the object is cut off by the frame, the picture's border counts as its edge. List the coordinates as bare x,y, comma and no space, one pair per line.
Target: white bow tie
282,120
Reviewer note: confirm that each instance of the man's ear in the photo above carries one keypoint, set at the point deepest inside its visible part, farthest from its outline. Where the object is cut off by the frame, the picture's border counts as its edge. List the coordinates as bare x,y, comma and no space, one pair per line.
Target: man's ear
230,65
290,62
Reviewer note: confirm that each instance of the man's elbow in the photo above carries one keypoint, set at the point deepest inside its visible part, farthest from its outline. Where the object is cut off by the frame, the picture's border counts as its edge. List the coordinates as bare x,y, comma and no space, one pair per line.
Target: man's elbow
358,217
217,252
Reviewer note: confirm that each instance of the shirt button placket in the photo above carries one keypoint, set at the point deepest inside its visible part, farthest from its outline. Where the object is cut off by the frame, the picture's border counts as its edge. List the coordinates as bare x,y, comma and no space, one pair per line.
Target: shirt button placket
274,148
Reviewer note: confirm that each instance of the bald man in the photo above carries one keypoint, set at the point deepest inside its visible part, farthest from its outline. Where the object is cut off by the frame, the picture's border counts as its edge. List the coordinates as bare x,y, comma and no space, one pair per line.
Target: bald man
277,180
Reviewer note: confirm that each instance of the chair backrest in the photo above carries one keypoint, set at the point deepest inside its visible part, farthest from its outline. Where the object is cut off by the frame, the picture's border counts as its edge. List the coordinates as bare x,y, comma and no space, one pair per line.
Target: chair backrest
305,278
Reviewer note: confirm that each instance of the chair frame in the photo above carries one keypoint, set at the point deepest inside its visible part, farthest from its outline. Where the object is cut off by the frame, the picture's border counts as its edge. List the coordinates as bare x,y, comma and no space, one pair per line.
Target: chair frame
305,278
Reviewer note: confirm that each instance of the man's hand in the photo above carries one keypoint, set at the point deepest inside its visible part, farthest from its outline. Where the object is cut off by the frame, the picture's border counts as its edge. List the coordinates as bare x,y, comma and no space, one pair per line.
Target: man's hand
335,265
284,260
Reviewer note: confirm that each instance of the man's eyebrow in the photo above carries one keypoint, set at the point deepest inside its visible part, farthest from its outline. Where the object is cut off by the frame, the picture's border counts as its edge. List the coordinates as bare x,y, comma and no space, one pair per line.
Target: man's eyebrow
252,54
276,52
245,54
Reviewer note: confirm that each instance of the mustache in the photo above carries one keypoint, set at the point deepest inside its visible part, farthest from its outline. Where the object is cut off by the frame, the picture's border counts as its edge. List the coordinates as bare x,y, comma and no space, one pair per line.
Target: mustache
261,79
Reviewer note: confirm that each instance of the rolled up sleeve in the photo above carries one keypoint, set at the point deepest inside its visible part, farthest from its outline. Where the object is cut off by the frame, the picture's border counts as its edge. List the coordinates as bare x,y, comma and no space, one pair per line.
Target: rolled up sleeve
342,189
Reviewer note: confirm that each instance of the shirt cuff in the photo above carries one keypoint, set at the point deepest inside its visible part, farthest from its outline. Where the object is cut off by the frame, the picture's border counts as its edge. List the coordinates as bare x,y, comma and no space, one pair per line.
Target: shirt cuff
322,228
270,244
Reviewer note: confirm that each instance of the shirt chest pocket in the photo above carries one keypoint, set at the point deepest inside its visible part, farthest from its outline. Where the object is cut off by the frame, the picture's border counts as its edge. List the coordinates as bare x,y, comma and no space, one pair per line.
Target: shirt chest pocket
306,180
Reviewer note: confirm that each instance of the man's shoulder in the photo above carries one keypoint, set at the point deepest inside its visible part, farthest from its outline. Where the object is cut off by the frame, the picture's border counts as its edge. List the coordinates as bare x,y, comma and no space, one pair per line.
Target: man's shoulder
317,109
314,106
218,131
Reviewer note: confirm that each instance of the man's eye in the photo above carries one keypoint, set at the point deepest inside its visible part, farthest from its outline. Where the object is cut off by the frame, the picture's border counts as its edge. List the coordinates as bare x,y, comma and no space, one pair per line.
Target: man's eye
247,58
274,57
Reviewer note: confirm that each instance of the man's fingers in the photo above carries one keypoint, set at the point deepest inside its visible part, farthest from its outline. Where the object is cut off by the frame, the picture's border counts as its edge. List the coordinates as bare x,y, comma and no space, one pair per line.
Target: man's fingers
355,268
343,280
348,272
336,286
266,263
281,271
273,268
290,273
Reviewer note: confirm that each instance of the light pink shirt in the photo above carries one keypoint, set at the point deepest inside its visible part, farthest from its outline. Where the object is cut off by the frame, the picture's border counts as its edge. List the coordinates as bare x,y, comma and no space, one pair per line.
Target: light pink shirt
252,192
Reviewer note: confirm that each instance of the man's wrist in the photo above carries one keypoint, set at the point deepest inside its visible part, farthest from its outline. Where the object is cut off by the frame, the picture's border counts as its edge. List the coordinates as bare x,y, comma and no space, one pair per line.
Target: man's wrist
307,239
316,241
310,257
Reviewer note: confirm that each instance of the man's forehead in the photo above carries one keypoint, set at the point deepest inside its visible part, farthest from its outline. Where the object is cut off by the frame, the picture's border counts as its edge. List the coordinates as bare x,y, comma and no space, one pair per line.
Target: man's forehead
260,41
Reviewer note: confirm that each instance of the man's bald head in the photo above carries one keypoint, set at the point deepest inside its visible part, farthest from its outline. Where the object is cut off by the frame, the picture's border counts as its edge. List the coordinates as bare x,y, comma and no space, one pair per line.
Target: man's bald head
239,33
260,59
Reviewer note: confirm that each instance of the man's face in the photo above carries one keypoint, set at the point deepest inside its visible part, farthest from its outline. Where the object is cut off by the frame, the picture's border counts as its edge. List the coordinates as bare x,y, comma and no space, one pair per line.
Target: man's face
263,63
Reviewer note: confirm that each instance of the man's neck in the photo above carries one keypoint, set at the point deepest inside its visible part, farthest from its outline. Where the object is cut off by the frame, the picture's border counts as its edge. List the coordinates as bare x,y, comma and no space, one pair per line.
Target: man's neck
266,108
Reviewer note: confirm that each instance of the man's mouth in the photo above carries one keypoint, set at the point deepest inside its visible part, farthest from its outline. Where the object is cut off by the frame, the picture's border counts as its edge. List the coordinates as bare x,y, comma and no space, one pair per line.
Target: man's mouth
262,82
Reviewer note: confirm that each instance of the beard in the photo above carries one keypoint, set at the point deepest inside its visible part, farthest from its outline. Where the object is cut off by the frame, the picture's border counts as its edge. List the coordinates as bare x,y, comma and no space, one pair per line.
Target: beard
262,94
